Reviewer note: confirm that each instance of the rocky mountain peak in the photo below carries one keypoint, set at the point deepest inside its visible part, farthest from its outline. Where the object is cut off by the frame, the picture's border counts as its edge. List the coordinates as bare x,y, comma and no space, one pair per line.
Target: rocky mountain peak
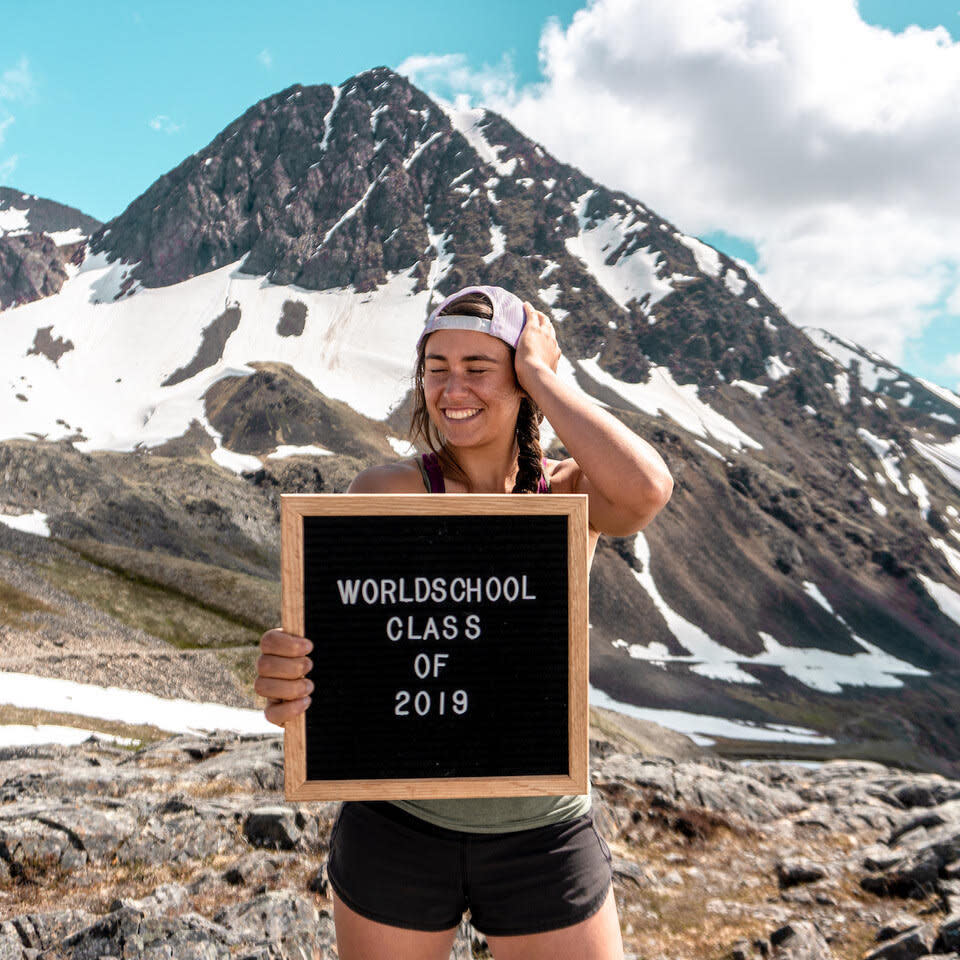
38,238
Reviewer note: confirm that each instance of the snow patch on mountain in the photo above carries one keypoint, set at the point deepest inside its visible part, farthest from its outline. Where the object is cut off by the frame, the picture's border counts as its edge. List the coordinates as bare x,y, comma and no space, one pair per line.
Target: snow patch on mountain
734,282
662,395
888,453
872,369
550,294
327,125
498,240
14,220
947,599
945,456
708,260
468,122
702,728
951,554
551,265
402,448
631,276
35,523
841,386
756,389
776,368
129,706
941,392
349,213
63,237
418,149
919,489
358,350
819,669
308,450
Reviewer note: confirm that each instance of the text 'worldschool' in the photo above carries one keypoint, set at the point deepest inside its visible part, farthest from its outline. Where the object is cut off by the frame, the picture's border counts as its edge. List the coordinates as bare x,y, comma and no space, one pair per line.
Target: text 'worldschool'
434,590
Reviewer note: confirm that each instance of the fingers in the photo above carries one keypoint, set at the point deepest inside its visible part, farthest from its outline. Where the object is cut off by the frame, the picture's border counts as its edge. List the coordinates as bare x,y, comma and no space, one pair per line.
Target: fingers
278,643
281,675
283,668
281,711
275,689
534,315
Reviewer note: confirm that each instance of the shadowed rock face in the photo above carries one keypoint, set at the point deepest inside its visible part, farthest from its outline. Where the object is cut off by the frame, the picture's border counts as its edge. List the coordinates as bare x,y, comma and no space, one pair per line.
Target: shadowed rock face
192,851
45,345
292,319
46,216
215,337
31,267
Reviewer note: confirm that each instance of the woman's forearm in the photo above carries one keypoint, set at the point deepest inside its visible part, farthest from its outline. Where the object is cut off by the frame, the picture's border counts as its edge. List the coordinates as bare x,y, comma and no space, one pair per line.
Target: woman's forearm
622,466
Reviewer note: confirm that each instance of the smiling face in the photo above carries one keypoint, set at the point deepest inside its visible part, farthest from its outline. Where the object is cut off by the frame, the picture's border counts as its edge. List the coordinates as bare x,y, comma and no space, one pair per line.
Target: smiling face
469,385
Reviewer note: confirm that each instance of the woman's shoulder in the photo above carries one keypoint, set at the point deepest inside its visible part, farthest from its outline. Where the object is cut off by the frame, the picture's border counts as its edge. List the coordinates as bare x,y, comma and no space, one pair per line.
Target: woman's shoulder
401,477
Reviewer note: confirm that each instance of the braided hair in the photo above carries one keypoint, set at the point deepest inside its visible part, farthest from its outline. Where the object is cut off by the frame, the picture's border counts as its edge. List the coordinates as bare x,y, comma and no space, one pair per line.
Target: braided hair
529,418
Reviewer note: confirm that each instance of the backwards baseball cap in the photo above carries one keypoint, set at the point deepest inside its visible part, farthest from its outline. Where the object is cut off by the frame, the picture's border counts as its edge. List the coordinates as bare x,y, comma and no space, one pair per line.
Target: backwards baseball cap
506,323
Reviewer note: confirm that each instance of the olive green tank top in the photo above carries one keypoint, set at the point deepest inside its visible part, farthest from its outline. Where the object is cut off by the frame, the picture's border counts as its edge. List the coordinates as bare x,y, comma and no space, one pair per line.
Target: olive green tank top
490,814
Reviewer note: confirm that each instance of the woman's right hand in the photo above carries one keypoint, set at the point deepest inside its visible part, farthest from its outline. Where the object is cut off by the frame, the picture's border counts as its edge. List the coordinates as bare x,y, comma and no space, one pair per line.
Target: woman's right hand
281,675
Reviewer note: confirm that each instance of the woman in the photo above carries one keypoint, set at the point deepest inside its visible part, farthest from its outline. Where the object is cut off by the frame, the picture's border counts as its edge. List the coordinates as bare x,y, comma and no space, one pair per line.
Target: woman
533,871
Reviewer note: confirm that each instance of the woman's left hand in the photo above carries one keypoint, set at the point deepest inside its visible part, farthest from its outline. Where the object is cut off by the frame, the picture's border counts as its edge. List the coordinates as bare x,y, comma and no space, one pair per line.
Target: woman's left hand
537,347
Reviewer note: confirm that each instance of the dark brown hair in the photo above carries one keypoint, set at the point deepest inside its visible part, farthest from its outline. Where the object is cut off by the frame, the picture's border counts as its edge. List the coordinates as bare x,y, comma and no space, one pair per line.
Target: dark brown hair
529,418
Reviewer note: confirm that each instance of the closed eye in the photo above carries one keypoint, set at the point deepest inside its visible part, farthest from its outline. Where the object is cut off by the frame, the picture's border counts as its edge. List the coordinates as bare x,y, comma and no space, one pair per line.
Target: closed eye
469,370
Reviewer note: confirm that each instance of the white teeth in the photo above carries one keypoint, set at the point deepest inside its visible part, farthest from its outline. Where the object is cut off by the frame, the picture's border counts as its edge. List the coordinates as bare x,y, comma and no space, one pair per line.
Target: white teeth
461,414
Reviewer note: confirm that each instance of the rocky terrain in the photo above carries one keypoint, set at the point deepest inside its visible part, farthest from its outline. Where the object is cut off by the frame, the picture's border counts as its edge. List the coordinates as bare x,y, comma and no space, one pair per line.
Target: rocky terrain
185,848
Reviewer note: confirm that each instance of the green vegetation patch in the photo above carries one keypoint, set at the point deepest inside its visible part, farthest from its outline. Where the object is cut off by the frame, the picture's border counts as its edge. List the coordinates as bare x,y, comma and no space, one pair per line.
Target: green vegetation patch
15,604
250,601
157,610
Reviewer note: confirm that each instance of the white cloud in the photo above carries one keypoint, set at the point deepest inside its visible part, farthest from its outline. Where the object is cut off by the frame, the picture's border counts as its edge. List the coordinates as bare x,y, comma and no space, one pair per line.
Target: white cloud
828,142
16,83
7,167
951,363
265,58
164,124
449,75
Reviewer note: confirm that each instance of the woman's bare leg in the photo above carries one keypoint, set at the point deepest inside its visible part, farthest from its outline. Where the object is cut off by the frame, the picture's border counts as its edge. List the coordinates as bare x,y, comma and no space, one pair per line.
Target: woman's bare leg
596,938
361,939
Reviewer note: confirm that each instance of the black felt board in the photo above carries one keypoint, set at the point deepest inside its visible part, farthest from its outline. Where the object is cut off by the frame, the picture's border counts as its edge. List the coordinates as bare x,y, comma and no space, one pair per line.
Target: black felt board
514,675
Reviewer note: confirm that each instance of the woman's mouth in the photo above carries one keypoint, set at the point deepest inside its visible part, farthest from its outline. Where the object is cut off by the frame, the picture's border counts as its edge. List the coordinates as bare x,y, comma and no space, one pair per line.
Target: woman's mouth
466,413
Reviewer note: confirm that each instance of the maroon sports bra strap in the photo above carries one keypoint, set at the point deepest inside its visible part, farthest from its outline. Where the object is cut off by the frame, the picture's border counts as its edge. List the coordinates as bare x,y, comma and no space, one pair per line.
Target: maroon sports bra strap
543,486
432,465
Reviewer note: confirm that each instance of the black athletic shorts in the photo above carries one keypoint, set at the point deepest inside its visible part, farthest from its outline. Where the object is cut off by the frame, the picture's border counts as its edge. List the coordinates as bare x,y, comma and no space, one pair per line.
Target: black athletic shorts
395,868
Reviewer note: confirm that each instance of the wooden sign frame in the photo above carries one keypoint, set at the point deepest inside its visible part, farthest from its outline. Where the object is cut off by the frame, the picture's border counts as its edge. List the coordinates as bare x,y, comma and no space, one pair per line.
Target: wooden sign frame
296,507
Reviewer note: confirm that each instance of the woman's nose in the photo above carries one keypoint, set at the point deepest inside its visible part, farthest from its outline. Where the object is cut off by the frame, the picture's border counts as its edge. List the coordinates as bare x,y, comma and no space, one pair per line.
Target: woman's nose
455,386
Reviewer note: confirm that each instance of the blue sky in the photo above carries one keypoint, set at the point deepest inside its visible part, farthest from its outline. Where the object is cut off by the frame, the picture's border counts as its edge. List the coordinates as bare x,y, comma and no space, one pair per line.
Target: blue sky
94,109
81,135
